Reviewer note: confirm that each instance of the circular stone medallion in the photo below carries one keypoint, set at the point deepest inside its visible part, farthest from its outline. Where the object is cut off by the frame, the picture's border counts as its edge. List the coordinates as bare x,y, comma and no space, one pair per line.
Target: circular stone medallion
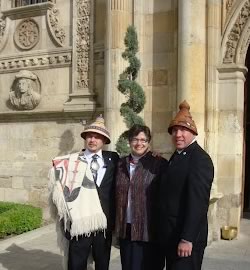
27,34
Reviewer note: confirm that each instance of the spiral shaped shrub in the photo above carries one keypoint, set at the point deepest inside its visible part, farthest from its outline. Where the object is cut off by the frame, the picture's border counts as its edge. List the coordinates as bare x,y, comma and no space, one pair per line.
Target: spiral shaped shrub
128,86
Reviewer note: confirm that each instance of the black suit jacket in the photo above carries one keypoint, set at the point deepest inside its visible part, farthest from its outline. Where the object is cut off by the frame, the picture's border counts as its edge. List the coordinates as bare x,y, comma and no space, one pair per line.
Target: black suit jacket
184,197
106,190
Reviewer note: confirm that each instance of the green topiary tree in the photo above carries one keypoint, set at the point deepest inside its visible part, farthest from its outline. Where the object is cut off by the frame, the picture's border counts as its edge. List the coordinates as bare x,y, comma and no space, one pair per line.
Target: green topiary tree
128,86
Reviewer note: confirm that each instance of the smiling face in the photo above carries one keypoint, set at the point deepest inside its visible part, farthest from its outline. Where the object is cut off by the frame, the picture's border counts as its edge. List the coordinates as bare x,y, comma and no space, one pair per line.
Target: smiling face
181,137
139,144
94,141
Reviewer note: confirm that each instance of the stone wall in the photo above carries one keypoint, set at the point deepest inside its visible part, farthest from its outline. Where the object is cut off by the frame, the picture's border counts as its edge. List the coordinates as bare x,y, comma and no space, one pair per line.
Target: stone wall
46,89
156,22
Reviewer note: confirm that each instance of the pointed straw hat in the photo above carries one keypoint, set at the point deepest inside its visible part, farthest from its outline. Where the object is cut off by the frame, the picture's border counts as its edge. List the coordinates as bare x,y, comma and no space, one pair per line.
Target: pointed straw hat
97,126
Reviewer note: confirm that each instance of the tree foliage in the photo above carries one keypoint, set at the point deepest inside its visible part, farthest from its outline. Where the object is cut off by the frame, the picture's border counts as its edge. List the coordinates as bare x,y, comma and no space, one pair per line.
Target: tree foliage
128,86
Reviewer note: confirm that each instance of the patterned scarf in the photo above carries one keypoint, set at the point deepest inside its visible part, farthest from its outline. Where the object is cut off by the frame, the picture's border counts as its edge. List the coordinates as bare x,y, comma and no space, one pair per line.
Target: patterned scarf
74,193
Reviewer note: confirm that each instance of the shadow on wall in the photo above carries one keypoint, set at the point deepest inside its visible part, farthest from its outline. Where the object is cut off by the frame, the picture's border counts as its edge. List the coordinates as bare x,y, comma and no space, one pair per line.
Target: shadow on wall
66,143
16,258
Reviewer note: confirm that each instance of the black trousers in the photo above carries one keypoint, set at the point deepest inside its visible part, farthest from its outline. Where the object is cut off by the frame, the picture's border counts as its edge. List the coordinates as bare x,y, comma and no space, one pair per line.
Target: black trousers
193,262
80,249
139,255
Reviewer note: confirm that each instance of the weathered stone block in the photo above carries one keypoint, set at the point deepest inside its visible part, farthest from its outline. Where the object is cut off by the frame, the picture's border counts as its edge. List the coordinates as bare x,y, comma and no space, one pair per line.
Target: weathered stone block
16,195
5,182
17,182
158,77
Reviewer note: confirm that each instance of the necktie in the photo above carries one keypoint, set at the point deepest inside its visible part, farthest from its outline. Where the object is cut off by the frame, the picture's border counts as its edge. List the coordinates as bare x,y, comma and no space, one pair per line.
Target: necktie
94,166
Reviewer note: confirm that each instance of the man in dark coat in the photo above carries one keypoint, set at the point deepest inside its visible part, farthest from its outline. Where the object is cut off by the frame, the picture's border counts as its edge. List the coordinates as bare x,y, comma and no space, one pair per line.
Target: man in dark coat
83,190
184,196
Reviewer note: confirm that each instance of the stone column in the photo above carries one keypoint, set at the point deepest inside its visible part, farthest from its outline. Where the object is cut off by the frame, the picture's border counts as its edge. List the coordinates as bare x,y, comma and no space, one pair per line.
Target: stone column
211,125
119,17
192,59
81,97
230,141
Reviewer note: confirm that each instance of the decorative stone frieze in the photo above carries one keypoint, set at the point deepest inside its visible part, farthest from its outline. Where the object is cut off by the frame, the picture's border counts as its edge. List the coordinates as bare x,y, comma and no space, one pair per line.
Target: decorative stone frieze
235,33
40,61
2,32
2,28
57,32
83,43
244,45
82,97
27,34
25,91
229,4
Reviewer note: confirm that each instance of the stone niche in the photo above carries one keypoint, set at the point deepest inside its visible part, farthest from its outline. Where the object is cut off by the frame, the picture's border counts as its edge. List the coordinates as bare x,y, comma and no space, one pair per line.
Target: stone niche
46,92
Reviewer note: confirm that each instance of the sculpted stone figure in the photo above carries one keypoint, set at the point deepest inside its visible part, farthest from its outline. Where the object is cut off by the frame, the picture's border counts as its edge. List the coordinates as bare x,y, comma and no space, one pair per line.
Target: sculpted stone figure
23,95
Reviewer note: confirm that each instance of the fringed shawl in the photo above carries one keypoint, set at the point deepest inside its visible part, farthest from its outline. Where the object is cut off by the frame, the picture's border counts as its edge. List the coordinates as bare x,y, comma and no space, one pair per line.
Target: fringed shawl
74,193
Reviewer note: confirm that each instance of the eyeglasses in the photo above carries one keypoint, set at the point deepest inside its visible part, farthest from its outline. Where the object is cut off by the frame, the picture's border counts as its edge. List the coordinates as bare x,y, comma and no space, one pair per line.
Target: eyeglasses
142,141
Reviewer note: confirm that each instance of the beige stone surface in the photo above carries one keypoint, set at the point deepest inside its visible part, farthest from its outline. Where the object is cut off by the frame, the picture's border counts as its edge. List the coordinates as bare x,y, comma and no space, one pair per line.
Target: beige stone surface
18,182
16,195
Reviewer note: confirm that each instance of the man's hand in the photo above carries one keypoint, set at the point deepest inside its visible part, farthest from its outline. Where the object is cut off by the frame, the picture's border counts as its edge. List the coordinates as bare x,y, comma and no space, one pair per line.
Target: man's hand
156,154
184,248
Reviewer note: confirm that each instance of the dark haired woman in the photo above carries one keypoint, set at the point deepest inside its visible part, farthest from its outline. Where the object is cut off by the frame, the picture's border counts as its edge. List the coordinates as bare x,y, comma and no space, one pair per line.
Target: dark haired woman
136,186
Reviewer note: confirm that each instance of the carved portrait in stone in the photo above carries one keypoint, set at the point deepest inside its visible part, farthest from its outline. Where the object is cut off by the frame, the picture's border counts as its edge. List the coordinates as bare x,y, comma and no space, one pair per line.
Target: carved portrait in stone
24,94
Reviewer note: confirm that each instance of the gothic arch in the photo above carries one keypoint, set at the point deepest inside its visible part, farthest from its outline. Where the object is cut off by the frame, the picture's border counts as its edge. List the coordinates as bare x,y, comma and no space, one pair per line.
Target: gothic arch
236,35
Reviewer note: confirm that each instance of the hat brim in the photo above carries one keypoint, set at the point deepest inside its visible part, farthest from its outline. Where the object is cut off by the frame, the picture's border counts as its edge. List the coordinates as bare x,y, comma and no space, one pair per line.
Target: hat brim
182,124
84,133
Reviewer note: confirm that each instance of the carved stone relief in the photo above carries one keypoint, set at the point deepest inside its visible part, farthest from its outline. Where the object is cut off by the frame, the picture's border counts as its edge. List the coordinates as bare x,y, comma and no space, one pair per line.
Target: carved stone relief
235,33
2,32
2,28
57,32
229,5
83,43
27,34
25,91
36,62
244,45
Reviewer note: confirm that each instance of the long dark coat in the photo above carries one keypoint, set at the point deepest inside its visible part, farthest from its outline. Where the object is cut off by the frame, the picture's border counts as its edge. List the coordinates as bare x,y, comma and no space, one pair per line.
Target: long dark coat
143,187
184,198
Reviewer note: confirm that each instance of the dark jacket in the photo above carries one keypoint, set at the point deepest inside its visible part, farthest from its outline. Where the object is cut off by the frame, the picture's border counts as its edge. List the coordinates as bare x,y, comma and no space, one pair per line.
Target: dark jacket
106,191
143,187
184,197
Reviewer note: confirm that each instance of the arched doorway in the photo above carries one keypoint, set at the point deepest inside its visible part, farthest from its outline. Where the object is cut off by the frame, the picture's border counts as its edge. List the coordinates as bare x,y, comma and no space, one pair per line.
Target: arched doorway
246,201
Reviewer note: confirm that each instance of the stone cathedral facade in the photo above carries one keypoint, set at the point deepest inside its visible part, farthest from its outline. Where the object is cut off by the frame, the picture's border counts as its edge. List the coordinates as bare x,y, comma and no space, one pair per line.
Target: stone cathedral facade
60,61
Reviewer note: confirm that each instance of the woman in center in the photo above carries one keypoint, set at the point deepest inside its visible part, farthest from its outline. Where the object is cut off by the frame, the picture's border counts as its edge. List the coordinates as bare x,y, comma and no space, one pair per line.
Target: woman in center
136,187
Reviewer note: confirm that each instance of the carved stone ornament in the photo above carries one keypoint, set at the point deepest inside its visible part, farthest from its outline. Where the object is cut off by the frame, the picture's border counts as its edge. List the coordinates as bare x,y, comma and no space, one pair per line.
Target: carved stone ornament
235,33
57,59
83,43
25,91
27,34
57,32
229,5
2,29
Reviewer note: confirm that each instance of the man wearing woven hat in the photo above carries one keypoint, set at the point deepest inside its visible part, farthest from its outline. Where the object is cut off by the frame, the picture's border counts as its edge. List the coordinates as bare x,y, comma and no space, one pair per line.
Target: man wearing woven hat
82,188
184,196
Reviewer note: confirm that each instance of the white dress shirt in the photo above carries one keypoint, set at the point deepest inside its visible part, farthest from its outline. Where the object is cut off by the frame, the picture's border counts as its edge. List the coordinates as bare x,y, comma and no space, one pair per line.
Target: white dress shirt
102,169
